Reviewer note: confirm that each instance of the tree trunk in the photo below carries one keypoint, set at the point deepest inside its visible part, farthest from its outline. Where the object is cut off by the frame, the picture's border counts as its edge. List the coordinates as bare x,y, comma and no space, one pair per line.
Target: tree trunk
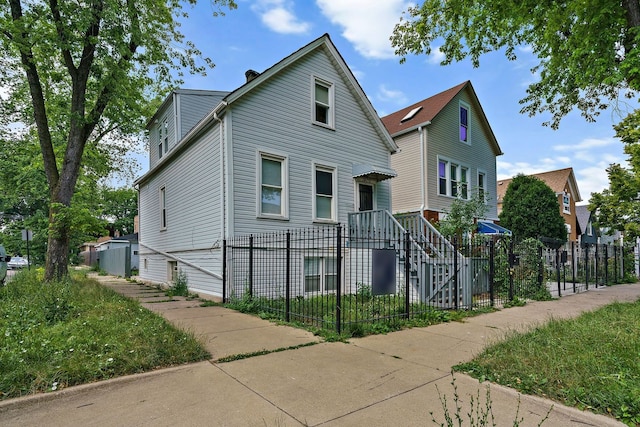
57,258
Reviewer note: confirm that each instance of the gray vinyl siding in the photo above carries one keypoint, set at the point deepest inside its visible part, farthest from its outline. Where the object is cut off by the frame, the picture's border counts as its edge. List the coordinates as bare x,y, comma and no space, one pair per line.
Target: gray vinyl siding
276,118
193,206
406,187
443,140
194,105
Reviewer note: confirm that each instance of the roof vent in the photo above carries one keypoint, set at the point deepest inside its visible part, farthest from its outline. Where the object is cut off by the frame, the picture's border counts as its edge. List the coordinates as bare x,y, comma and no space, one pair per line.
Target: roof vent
251,74
411,114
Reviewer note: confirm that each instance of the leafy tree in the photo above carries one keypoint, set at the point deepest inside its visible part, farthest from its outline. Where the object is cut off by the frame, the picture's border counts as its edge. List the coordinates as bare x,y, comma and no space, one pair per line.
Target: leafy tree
119,208
79,77
589,50
462,215
618,207
530,209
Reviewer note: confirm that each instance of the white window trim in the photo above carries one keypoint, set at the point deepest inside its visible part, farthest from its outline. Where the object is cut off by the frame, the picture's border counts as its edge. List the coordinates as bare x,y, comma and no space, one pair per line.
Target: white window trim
334,188
448,163
323,274
331,116
468,108
484,189
284,196
172,270
165,141
162,202
566,207
370,182
160,139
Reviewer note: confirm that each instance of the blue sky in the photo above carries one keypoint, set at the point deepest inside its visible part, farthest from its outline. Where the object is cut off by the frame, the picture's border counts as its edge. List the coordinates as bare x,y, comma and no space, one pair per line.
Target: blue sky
261,32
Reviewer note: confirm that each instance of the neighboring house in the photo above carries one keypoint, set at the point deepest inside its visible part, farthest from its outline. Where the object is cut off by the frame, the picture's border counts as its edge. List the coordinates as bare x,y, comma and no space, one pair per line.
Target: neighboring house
128,241
447,151
563,183
298,145
587,233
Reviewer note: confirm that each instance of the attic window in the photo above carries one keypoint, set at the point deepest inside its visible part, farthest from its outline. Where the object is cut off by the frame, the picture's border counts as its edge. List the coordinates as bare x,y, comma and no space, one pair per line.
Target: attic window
411,114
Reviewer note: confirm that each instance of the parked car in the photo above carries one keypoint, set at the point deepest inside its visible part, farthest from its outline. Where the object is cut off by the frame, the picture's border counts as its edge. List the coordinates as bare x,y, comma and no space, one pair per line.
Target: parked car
17,262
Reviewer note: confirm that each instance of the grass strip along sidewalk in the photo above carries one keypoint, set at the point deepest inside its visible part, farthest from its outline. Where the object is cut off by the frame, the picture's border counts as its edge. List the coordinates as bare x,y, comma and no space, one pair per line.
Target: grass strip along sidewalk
591,362
76,331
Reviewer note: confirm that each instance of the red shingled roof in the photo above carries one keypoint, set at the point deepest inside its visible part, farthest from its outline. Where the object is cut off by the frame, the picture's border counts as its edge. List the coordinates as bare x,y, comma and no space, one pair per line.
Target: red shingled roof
430,108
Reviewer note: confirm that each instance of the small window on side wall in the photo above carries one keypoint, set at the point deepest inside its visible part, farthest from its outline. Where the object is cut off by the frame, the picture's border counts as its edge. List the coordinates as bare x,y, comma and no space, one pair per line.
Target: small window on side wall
163,208
324,193
464,123
323,103
273,191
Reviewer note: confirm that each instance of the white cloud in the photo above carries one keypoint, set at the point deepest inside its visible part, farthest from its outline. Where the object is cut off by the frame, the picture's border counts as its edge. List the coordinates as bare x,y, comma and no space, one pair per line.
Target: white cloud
587,144
436,56
366,24
278,16
389,95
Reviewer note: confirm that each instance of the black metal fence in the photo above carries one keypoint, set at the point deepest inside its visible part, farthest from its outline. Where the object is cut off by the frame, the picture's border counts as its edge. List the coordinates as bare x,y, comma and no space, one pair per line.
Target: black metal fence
335,278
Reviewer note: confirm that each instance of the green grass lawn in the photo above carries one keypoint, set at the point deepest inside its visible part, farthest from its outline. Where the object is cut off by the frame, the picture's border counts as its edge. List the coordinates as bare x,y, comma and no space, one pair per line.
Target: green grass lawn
73,332
591,362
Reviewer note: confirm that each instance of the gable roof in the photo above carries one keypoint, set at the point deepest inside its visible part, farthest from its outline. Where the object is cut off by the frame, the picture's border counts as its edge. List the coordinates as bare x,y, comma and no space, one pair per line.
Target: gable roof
423,112
582,217
322,42
556,179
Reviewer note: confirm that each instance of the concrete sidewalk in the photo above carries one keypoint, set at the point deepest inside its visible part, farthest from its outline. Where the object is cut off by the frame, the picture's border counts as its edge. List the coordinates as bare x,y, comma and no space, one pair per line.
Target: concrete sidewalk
380,380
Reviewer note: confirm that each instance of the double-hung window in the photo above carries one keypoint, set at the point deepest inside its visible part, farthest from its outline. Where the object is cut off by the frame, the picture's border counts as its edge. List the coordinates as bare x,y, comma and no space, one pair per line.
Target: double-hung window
160,139
566,203
273,192
163,138
165,141
464,123
323,103
482,185
453,179
320,274
324,201
163,208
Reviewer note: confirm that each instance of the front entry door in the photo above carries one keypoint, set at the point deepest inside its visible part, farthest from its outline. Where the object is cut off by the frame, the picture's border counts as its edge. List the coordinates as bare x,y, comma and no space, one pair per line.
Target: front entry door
365,197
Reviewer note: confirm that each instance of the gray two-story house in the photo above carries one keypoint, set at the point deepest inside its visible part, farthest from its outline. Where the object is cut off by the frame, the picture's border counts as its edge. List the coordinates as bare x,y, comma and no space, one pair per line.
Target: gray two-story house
447,151
298,145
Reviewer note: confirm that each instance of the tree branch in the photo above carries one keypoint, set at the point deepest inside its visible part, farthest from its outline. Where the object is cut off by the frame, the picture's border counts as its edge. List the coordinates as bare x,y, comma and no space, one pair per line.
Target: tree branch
21,40
66,53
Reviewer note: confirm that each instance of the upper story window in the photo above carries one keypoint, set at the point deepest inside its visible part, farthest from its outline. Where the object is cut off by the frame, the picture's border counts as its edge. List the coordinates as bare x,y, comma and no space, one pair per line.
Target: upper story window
323,103
163,138
566,203
324,200
453,179
482,185
273,186
464,123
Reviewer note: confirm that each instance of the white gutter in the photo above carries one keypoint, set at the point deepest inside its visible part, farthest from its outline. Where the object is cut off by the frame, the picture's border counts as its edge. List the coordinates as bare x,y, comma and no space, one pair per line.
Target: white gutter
222,174
190,264
423,172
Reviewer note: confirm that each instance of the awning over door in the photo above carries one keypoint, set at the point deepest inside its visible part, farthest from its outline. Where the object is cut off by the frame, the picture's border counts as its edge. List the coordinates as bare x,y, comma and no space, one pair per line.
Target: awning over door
376,173
487,227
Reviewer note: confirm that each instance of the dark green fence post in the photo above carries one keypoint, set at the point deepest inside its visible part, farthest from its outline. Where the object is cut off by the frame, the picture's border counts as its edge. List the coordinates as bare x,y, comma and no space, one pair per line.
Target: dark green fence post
251,266
407,271
224,270
339,279
492,272
287,283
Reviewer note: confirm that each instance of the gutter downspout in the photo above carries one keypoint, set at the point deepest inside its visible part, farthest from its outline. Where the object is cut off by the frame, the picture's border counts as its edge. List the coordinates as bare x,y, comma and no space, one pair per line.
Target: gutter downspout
423,172
222,173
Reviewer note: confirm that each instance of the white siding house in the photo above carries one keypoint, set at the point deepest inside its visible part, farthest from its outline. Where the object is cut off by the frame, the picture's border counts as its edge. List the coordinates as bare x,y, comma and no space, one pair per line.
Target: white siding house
447,151
298,145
